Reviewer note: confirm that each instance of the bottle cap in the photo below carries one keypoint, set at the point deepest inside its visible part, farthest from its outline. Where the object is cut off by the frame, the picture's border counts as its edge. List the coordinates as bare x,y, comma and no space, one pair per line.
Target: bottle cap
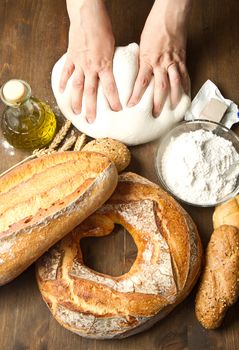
14,91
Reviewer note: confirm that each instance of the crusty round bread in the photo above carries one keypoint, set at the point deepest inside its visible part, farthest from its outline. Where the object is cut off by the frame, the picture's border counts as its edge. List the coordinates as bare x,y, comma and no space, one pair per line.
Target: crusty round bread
168,262
116,151
227,213
44,199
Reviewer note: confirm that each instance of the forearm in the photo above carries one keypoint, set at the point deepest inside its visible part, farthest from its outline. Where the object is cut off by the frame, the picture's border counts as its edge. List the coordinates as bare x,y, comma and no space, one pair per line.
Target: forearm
79,8
171,15
175,9
89,21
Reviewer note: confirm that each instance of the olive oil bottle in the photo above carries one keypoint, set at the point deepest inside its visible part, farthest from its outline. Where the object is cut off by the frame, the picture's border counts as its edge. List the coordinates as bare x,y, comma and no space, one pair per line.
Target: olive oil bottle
26,122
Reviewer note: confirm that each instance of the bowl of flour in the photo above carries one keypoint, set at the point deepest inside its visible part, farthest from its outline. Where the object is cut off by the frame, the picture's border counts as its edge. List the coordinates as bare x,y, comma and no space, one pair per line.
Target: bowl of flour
198,163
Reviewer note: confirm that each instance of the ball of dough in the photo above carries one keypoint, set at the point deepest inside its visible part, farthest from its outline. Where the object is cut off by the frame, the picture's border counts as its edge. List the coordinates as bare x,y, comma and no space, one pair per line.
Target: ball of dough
132,126
116,151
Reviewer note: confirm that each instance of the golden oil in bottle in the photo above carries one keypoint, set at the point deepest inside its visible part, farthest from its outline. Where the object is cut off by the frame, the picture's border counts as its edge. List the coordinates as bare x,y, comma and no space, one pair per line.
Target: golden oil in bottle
26,122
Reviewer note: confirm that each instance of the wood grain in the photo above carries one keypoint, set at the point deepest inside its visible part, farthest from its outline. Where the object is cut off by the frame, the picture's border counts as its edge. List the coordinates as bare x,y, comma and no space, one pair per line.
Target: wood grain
33,34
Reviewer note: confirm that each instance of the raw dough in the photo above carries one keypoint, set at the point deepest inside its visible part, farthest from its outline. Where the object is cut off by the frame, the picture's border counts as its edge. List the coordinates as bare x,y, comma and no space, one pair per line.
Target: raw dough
132,126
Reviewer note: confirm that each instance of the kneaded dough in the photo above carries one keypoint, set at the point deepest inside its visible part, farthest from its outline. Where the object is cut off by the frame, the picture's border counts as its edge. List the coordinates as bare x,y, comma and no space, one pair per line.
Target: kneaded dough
132,126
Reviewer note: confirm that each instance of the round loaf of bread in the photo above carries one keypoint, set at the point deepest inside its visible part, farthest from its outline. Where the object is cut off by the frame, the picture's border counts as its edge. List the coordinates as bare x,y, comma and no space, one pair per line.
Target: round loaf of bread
168,263
44,199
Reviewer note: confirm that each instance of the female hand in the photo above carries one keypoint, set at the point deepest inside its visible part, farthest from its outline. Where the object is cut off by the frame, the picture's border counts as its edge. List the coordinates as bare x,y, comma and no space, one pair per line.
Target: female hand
162,53
89,56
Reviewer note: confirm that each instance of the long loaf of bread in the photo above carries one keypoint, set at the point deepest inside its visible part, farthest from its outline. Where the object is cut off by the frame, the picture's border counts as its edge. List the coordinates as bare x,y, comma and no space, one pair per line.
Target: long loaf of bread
219,287
44,199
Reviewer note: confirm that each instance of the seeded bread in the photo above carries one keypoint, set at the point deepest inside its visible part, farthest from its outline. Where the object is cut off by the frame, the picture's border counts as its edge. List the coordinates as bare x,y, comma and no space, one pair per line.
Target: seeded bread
116,151
219,287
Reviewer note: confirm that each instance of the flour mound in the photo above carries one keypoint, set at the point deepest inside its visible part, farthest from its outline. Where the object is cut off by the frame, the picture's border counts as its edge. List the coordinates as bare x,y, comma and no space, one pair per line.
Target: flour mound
132,126
195,164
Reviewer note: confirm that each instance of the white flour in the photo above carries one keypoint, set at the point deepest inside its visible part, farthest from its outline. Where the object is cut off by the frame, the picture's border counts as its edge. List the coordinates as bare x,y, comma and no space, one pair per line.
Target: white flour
194,166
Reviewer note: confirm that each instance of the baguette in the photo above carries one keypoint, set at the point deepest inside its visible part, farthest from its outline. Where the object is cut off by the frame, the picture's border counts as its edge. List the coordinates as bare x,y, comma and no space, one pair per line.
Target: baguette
219,287
44,199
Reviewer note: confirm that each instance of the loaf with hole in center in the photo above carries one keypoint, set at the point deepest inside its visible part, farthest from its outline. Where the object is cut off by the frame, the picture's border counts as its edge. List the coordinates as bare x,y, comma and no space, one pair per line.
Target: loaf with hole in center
167,266
44,199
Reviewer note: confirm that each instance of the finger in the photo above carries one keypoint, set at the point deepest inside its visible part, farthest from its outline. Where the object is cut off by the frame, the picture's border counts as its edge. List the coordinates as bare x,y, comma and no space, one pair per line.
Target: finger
77,91
161,87
142,81
90,94
110,90
184,77
66,73
175,84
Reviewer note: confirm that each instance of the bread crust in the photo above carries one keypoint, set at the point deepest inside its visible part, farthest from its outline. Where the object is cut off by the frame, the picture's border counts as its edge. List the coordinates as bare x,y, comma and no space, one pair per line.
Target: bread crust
219,286
115,150
167,265
37,210
227,213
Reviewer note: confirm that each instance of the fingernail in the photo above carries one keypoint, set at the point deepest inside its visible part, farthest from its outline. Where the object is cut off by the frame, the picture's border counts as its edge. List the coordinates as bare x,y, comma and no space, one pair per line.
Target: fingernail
90,120
155,114
117,109
131,104
76,111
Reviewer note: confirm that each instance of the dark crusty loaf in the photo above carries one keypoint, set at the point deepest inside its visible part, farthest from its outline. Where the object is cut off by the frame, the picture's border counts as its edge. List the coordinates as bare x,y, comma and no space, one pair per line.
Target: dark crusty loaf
219,287
44,199
168,263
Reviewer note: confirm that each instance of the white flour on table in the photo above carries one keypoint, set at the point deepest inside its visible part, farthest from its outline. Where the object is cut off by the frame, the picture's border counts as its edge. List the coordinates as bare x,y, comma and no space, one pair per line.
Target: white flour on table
194,165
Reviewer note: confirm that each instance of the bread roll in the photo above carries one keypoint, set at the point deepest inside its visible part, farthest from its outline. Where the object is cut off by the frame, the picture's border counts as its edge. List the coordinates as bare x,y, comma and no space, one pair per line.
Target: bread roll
44,199
167,266
116,151
219,287
227,213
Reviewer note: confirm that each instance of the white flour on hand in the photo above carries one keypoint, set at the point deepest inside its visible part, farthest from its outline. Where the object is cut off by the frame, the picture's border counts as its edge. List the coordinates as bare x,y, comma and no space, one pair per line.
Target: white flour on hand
199,166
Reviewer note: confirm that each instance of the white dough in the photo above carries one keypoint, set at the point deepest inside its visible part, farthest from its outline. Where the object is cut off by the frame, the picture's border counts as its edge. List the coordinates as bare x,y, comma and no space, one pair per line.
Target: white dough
132,126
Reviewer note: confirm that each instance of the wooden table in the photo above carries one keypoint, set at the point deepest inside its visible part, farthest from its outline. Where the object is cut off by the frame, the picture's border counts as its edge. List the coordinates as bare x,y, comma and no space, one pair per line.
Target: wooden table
33,34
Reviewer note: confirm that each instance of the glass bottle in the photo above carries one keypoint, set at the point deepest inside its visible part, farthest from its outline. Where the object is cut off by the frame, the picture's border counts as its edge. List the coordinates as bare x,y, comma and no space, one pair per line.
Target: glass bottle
26,122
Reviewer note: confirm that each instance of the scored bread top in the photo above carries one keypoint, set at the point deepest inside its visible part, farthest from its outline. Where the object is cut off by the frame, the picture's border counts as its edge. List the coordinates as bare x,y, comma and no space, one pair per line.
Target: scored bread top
37,188
44,199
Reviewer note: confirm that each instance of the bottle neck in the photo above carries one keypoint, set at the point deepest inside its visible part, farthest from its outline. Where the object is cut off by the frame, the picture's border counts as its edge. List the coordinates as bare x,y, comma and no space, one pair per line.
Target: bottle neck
26,108
11,99
18,105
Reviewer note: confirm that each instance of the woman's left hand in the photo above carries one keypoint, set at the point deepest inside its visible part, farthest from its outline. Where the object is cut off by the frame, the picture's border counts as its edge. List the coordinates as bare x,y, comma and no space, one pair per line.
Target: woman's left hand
163,54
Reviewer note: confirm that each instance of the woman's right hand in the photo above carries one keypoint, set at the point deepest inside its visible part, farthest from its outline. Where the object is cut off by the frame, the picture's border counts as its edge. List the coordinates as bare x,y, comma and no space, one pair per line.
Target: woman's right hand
90,56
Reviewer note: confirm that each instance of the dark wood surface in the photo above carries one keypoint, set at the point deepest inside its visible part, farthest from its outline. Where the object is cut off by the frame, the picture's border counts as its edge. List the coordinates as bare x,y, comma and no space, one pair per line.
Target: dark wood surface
33,34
